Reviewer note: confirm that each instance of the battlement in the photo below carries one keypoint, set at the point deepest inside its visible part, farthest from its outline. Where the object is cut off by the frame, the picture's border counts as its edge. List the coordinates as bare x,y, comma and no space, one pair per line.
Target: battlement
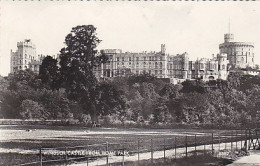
26,43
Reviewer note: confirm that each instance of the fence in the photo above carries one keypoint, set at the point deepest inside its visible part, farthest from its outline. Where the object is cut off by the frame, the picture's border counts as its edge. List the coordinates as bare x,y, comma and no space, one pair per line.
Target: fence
218,144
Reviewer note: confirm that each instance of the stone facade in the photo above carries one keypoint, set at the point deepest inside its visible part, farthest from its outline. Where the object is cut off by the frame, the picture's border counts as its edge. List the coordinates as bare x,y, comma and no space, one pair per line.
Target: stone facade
239,54
162,65
25,57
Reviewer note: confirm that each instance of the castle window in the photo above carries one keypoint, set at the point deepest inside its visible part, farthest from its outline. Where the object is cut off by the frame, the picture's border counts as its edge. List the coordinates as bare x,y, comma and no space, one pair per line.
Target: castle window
25,62
123,59
137,58
117,58
223,67
144,58
129,58
160,64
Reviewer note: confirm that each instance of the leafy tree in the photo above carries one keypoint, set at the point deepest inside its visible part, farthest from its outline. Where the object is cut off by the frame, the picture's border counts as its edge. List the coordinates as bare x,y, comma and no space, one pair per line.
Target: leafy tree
24,79
109,100
192,86
77,61
32,110
49,73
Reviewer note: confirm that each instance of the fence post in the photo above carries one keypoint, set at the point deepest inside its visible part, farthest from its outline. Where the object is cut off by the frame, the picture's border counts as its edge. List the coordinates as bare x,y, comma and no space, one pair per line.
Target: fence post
138,150
186,145
40,156
241,137
219,141
195,144
164,150
123,155
246,140
212,142
236,139
175,150
231,140
66,157
204,149
152,151
225,143
107,152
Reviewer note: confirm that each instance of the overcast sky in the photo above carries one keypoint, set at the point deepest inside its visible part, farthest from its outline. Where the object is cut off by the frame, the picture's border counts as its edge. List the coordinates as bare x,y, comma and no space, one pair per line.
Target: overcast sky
194,27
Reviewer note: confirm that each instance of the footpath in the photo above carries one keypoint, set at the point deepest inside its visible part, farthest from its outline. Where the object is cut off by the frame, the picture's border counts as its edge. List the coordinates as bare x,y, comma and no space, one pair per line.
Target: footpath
253,159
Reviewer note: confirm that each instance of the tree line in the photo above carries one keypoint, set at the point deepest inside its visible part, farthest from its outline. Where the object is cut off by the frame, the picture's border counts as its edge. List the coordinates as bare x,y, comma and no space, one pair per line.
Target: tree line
67,90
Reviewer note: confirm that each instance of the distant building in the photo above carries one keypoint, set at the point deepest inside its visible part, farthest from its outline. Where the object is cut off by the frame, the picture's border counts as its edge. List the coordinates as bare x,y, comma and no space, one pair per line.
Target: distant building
161,65
209,69
25,57
239,54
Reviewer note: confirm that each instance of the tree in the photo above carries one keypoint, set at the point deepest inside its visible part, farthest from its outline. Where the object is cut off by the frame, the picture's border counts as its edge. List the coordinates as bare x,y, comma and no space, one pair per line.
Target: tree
31,110
49,73
77,61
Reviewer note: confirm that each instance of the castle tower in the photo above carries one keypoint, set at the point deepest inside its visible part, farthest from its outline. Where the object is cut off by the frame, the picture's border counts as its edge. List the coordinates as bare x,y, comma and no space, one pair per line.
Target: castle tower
22,58
223,66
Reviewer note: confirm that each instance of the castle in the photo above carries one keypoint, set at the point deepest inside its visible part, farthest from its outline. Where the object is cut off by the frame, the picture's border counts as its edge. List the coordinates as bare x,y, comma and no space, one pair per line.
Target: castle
25,57
178,67
159,64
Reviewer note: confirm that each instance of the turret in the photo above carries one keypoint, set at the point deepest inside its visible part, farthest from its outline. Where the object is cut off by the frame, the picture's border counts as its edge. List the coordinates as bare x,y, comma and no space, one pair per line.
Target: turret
163,49
228,38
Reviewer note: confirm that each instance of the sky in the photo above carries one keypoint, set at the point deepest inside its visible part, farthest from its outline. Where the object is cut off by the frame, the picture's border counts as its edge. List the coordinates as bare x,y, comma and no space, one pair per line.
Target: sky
193,27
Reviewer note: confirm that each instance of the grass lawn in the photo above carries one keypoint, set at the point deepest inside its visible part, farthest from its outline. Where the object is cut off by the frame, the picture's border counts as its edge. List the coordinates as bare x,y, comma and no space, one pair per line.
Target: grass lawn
16,137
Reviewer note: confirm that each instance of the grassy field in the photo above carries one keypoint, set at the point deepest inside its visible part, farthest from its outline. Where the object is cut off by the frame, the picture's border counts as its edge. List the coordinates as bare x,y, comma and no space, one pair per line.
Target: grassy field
200,160
15,140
